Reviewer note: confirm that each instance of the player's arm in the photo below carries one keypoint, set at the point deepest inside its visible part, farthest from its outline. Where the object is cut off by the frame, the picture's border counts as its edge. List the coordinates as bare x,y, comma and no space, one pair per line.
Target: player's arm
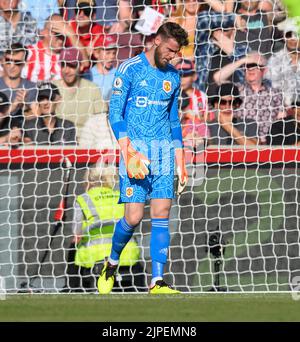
178,144
136,163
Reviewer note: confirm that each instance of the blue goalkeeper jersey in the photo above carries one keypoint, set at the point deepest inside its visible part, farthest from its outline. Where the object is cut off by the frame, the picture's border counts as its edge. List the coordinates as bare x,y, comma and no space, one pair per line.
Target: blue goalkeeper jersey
144,105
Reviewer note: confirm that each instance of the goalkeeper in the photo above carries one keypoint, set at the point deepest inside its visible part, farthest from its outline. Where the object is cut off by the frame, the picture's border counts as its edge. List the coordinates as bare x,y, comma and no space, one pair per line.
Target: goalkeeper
144,118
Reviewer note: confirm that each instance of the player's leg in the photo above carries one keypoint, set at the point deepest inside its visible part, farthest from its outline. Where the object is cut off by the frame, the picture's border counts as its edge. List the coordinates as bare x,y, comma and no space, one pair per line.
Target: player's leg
124,230
123,233
159,244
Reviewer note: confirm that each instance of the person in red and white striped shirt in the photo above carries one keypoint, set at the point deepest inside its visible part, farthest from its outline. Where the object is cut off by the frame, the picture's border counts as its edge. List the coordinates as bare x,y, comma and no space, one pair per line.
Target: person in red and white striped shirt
194,107
43,57
198,103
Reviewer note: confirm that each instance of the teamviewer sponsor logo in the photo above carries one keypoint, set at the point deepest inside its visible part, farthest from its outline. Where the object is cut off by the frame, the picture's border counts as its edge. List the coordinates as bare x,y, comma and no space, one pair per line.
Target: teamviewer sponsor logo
141,101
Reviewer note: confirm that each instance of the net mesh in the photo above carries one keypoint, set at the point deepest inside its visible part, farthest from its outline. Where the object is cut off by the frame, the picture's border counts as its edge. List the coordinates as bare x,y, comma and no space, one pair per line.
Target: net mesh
236,225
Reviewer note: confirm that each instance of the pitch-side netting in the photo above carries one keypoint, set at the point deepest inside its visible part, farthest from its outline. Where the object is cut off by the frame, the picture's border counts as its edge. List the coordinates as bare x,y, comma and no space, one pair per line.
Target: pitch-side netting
236,227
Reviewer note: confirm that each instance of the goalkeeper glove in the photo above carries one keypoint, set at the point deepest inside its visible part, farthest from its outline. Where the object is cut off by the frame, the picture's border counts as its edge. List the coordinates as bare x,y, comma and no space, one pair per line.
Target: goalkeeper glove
135,162
181,170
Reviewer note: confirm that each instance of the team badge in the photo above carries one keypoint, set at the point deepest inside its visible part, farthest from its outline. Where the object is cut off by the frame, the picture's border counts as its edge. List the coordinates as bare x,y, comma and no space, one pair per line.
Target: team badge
118,82
129,192
167,86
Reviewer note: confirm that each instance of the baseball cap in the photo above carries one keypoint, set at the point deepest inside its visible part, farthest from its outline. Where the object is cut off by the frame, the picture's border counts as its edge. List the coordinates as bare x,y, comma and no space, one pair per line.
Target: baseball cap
70,56
107,41
185,67
4,103
47,91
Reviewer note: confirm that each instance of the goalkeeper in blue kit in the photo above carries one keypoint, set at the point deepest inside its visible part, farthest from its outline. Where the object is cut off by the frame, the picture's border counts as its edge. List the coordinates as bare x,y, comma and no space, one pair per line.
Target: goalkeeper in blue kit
144,118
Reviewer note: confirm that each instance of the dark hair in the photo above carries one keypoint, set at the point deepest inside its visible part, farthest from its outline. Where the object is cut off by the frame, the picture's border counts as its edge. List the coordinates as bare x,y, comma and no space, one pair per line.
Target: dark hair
175,31
183,101
15,48
88,8
226,89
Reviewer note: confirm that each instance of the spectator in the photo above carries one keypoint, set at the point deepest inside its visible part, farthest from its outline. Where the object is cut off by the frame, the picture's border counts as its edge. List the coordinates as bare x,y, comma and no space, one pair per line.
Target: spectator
72,38
105,51
197,100
20,92
114,15
84,26
186,16
274,9
261,102
43,58
40,9
80,98
130,44
226,51
205,47
10,133
47,129
97,134
194,131
258,34
95,214
286,131
16,26
228,129
284,66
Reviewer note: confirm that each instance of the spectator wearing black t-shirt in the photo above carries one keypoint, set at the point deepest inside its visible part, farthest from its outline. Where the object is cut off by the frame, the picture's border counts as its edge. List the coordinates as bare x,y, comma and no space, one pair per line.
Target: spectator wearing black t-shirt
21,93
47,129
287,130
258,34
227,129
10,133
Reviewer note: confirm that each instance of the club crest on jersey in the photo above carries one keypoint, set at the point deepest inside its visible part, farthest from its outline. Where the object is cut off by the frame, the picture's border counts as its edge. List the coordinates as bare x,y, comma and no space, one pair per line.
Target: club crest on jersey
129,191
167,86
118,82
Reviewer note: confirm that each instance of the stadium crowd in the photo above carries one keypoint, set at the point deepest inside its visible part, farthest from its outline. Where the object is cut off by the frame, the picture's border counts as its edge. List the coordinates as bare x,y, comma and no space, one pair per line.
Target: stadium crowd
240,72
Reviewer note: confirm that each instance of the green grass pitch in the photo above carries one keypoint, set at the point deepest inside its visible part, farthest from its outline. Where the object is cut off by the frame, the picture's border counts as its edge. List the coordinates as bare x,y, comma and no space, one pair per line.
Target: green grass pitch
144,308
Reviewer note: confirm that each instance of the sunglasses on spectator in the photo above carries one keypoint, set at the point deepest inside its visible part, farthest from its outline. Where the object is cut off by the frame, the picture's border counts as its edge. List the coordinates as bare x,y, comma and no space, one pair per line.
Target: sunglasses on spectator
70,65
254,66
57,35
88,11
233,102
14,61
291,34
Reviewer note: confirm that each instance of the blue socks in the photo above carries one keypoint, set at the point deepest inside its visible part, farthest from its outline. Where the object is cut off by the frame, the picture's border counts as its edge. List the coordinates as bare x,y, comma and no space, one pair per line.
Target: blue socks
122,234
159,244
159,247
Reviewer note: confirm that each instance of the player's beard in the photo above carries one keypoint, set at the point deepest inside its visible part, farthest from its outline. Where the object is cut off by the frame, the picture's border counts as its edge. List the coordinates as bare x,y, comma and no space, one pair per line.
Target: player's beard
158,59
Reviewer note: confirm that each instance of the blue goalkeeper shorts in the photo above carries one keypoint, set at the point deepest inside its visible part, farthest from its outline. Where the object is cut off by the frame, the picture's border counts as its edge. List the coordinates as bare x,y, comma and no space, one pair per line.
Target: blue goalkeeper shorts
155,185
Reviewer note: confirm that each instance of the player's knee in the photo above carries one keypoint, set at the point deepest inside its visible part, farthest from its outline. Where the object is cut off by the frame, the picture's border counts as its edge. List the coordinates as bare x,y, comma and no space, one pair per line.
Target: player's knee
133,219
160,212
